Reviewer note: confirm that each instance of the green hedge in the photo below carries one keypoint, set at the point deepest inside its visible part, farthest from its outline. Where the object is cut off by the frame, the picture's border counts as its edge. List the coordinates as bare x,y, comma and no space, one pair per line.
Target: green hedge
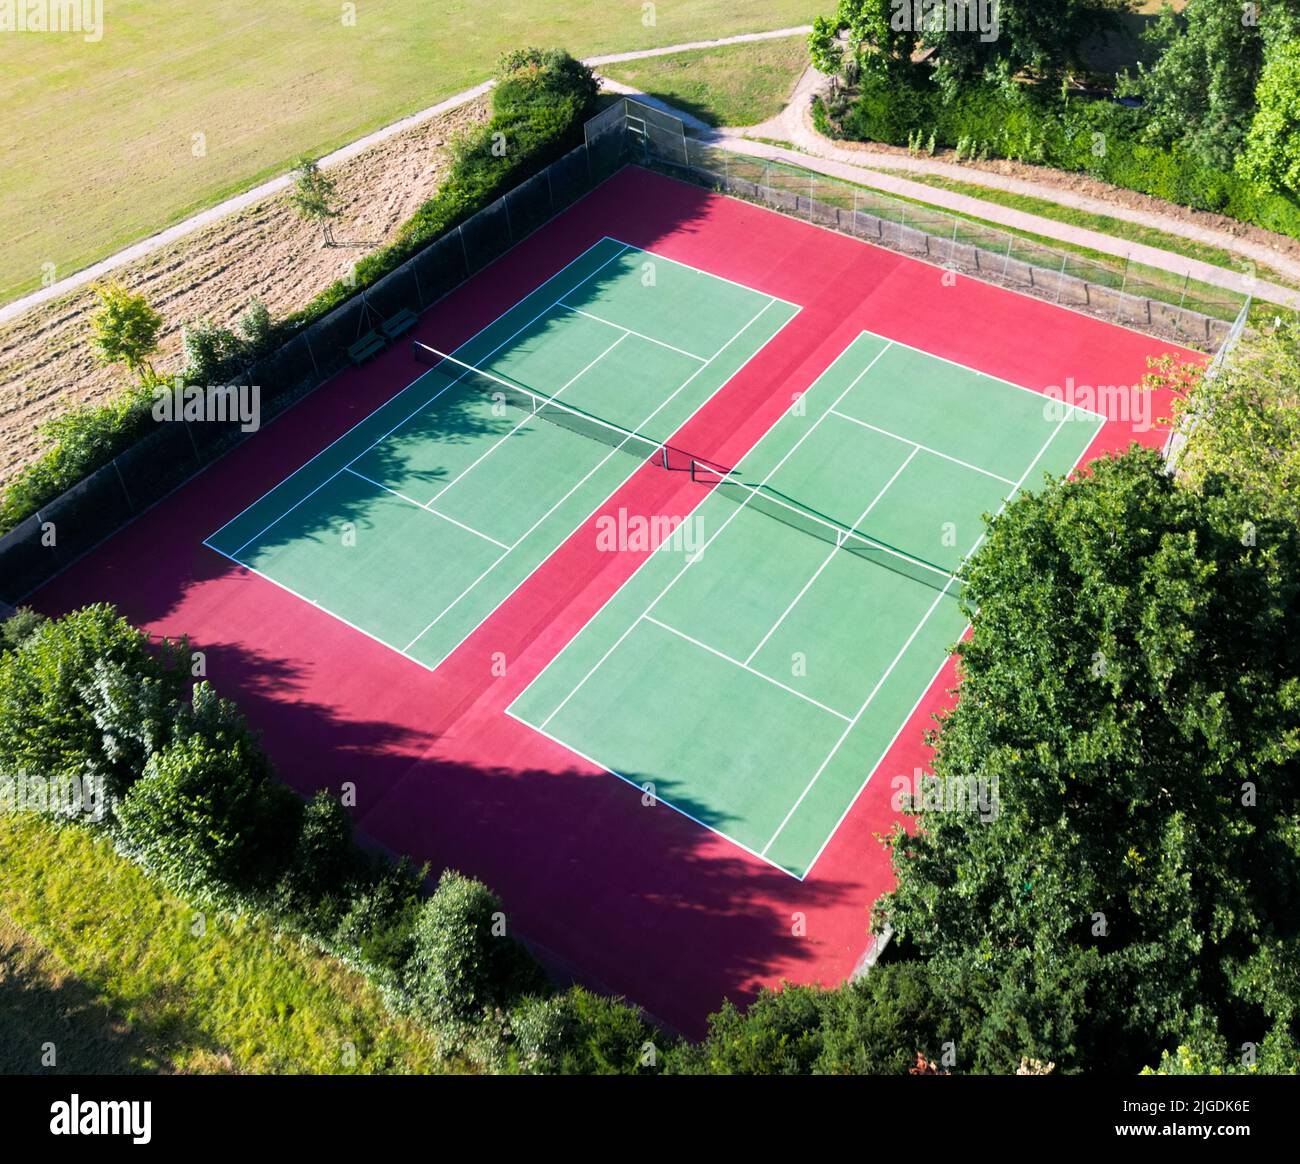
193,798
541,100
1094,136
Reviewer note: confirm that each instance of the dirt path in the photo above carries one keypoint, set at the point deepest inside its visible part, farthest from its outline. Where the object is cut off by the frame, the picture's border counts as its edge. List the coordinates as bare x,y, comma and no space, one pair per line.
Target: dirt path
262,251
214,214
794,125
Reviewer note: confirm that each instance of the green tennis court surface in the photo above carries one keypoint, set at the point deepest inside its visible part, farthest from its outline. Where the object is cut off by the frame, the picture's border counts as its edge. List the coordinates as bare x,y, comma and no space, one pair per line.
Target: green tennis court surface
757,681
418,522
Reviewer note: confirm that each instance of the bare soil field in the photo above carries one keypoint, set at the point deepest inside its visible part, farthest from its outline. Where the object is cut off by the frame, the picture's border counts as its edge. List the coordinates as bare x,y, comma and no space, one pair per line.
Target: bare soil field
266,252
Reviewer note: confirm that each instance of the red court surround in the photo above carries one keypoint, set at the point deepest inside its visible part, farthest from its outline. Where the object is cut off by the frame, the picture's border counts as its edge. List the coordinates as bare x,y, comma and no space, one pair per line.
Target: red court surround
629,899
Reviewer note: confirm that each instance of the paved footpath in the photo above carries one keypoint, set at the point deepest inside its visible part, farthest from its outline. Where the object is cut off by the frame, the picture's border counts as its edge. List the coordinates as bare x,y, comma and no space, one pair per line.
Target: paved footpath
812,151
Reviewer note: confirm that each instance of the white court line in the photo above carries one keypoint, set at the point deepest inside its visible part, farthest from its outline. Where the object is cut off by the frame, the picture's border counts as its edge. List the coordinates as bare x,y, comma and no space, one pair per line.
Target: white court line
871,771
549,307
978,373
831,556
427,508
923,448
410,384
640,787
662,405
726,522
629,331
907,645
709,274
531,416
743,666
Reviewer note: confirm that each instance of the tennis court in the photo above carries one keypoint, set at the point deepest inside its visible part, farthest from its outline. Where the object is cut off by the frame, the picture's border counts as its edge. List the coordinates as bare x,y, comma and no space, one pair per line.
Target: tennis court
757,679
418,522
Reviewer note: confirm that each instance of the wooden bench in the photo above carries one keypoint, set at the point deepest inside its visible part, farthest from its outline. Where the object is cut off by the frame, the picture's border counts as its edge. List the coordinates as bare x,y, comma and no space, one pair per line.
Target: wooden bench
399,324
370,344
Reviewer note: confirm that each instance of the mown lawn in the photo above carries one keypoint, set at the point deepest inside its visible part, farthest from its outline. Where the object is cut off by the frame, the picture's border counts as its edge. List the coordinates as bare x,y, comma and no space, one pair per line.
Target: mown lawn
736,84
180,105
123,976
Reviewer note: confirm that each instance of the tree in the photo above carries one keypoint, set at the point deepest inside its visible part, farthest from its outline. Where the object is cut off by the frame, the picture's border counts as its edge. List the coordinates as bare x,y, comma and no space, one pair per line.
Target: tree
125,329
1244,423
1039,37
1131,693
313,197
1201,89
877,45
969,41
463,963
1272,153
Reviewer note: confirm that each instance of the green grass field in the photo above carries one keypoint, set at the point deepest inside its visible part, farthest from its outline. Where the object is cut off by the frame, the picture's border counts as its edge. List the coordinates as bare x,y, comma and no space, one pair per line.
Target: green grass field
737,84
756,678
107,151
399,528
102,959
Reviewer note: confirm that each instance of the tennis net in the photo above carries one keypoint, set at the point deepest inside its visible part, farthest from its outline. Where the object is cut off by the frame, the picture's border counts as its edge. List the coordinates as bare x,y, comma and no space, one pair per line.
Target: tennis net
773,503
544,407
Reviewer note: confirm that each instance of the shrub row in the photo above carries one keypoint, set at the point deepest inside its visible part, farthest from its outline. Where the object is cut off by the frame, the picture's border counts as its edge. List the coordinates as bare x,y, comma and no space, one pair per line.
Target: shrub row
1094,136
540,102
173,774
539,105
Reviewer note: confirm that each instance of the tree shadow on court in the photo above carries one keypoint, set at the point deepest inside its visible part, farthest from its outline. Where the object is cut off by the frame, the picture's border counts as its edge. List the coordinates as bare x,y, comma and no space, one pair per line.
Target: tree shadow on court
624,896
467,399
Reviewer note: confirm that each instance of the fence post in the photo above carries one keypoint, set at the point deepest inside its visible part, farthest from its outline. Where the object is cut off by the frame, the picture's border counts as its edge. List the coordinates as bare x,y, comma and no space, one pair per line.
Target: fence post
1119,303
121,481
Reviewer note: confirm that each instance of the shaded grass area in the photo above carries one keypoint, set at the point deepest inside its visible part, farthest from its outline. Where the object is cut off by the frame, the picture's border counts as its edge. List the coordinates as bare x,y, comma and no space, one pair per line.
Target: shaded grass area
736,84
178,107
124,976
52,1022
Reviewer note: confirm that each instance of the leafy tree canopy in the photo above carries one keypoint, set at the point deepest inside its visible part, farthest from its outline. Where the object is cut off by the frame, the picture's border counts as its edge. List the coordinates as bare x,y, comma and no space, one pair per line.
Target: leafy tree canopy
967,40
1244,423
1131,692
1272,152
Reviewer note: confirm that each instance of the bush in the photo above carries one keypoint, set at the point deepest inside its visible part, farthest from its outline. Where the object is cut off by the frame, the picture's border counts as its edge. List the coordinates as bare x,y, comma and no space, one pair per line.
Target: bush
211,353
463,964
207,817
377,926
1097,137
323,863
48,725
20,625
580,1033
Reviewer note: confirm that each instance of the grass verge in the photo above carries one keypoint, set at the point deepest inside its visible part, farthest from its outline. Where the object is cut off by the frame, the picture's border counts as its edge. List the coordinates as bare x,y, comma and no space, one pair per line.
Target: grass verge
138,980
736,84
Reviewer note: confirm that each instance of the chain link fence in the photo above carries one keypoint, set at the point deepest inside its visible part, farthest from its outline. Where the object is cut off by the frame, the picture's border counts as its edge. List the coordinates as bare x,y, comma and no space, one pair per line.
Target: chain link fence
75,522
1172,306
